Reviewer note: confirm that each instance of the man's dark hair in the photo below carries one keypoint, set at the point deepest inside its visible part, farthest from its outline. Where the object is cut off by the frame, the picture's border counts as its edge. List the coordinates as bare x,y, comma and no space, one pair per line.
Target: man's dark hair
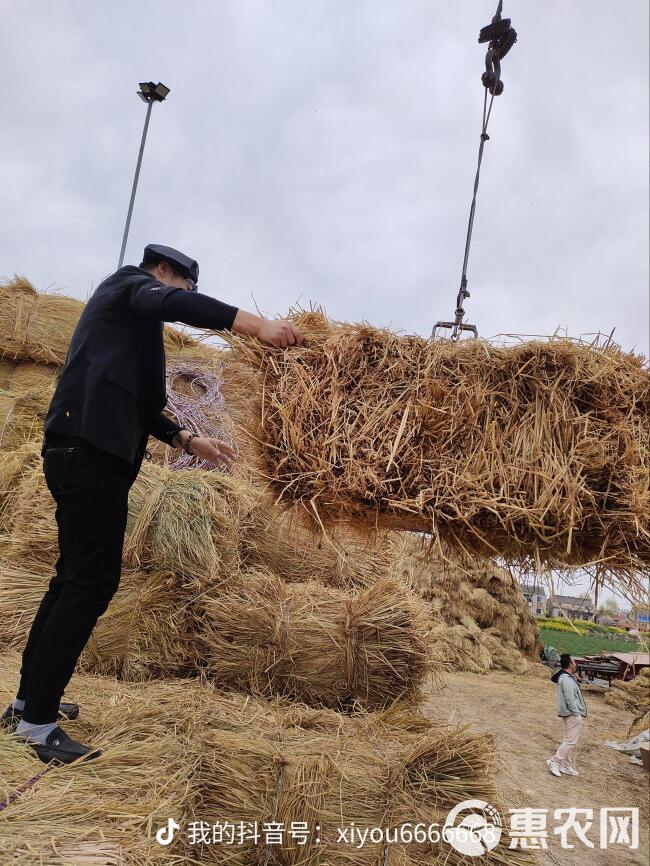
565,661
151,262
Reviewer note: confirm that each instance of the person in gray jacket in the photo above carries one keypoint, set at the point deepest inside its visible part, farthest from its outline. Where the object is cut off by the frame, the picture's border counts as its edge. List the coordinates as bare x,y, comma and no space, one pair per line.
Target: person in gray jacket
571,707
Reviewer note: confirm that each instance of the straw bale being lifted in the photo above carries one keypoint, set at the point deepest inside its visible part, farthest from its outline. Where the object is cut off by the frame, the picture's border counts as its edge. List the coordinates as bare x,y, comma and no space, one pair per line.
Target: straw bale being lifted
537,452
318,644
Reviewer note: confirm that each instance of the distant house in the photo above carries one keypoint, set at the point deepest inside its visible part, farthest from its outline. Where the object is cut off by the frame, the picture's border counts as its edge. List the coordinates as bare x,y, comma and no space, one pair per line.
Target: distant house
571,606
640,616
623,620
535,598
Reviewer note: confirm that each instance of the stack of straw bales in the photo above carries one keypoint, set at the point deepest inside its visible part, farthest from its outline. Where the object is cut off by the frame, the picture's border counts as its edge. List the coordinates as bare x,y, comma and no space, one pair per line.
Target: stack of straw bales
188,603
481,619
224,589
537,452
232,527
181,749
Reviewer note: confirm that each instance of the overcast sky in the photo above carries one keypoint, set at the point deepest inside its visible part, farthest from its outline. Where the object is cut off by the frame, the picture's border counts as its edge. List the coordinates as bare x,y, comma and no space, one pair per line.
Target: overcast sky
325,152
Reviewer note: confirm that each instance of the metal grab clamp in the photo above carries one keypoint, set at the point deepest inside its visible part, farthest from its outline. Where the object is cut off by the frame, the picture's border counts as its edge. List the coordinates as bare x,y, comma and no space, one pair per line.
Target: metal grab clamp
457,324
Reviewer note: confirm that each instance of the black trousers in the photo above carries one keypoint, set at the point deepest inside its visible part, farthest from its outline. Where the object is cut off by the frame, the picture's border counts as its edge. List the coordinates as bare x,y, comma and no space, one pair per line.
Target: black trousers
90,488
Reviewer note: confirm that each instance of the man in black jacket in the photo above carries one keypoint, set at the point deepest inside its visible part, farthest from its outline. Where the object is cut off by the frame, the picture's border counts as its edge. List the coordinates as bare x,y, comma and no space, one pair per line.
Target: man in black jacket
108,400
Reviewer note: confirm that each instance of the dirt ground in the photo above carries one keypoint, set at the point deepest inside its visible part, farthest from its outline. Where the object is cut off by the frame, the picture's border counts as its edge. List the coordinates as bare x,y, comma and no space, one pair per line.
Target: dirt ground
520,711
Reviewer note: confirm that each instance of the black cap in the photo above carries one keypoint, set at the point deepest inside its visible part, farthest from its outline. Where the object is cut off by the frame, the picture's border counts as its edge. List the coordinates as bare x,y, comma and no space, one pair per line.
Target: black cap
181,263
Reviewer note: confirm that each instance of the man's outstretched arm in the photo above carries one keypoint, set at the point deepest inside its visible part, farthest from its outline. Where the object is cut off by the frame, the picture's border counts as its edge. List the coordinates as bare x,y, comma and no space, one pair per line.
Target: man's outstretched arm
202,311
150,298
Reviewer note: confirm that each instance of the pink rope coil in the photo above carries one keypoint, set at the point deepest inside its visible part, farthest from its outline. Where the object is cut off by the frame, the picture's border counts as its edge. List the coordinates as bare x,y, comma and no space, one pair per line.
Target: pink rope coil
191,411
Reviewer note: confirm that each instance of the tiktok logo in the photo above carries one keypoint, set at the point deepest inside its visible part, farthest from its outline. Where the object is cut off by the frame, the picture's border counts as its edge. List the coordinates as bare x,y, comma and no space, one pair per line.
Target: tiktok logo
166,834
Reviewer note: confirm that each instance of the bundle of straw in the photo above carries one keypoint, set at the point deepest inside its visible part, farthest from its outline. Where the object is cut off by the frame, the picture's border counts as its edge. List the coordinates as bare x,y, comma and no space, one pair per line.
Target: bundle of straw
105,812
38,326
25,375
152,627
318,772
283,542
633,695
187,522
316,643
537,452
505,655
459,647
149,630
21,415
35,325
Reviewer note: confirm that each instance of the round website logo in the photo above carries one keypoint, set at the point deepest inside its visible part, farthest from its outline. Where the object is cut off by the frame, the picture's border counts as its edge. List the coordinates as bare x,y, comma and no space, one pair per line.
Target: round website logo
473,828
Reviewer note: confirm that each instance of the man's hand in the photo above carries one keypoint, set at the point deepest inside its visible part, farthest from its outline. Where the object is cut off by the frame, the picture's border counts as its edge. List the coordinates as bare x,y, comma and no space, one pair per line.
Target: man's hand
274,332
213,450
280,333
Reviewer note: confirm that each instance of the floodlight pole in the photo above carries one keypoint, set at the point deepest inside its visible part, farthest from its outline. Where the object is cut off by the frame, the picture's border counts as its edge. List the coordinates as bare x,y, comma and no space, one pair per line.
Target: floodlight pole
149,93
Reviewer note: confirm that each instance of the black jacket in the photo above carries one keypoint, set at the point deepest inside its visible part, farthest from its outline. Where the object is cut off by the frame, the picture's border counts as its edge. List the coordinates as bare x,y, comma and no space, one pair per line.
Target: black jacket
111,390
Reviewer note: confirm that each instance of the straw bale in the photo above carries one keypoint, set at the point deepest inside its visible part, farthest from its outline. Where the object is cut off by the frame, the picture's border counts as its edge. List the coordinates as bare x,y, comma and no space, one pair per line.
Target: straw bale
38,326
98,811
187,522
632,695
505,654
21,415
282,541
25,375
372,770
317,644
35,325
15,467
150,629
458,647
537,452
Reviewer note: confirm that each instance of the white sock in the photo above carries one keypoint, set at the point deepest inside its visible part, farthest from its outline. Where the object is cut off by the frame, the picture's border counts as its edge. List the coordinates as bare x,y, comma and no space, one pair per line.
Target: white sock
35,733
19,704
